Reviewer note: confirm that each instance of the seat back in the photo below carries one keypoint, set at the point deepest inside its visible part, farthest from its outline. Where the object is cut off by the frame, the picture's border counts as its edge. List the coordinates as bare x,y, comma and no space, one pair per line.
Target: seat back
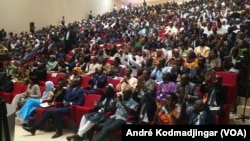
55,77
229,78
226,115
115,82
89,99
85,82
19,88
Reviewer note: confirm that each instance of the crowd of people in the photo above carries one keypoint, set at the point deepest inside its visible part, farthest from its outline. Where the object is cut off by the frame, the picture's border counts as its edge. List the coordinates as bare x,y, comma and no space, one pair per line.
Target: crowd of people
161,54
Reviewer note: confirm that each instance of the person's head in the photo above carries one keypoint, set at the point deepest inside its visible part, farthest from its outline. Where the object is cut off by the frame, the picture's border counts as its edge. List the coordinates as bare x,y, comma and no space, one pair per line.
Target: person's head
99,71
133,51
166,76
128,72
52,58
62,82
76,82
201,61
149,61
33,80
77,71
191,54
127,93
159,53
212,54
184,79
162,62
117,61
146,74
202,42
171,99
49,86
198,105
179,61
109,91
235,52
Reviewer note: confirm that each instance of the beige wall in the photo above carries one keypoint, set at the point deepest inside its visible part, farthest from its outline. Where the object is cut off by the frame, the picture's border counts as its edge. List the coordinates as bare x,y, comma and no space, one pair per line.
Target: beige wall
16,15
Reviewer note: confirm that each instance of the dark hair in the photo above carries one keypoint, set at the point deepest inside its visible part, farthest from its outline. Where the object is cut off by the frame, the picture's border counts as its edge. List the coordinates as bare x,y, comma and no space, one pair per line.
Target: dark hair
174,96
109,94
34,79
63,80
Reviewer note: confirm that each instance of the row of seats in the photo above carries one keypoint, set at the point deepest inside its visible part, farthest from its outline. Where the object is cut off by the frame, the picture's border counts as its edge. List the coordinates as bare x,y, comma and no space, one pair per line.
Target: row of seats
77,111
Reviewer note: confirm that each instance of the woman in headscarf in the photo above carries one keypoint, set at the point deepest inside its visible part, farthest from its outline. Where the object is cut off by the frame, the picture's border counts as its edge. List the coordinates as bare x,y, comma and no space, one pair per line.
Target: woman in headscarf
32,103
77,71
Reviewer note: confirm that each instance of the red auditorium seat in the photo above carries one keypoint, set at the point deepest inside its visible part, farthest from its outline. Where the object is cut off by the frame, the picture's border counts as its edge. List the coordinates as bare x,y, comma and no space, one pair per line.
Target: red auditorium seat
230,81
18,88
85,82
87,107
54,77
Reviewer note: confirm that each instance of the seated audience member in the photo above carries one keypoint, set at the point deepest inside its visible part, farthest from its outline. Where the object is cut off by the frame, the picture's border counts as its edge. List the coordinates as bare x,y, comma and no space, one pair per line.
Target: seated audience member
105,104
214,62
145,85
127,81
76,72
98,80
203,69
148,64
165,87
159,55
178,69
132,60
198,114
59,91
93,66
105,65
40,71
125,106
191,61
62,66
73,96
159,69
202,50
8,85
116,69
32,103
33,91
52,64
212,86
186,90
57,99
168,112
22,73
198,78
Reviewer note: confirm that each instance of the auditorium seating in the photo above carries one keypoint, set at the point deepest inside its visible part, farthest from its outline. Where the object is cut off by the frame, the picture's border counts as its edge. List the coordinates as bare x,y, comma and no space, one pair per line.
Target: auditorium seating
18,88
87,107
54,77
230,81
